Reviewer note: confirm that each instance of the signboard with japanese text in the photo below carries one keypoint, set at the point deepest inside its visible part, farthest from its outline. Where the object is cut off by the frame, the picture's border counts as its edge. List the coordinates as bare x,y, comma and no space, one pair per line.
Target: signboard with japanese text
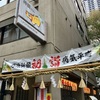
72,57
71,84
29,19
86,90
94,92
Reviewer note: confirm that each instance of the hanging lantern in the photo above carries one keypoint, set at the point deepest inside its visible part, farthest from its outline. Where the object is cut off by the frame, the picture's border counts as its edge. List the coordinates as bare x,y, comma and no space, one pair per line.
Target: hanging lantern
12,85
82,83
25,84
59,84
42,85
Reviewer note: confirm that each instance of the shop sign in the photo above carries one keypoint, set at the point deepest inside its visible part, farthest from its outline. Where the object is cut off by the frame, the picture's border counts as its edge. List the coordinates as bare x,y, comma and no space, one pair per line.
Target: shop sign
87,90
48,96
72,57
94,92
69,83
29,19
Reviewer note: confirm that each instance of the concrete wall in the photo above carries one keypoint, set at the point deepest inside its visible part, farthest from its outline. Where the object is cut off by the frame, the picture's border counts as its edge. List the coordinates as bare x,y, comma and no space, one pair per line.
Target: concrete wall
66,32
7,11
62,33
60,30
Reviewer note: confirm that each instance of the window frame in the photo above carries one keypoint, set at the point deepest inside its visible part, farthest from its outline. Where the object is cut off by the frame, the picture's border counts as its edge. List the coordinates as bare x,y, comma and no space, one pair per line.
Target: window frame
17,36
78,7
79,27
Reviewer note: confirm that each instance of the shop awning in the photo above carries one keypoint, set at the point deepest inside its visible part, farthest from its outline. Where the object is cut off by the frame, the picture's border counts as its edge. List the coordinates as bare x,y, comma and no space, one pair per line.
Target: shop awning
93,98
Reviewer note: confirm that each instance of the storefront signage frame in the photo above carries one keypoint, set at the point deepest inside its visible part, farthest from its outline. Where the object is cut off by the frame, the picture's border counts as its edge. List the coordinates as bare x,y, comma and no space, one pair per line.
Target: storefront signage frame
87,90
30,20
73,85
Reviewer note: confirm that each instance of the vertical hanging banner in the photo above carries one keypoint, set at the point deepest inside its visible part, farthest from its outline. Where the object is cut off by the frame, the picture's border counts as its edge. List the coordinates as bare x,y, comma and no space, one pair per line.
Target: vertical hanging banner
72,57
29,19
41,94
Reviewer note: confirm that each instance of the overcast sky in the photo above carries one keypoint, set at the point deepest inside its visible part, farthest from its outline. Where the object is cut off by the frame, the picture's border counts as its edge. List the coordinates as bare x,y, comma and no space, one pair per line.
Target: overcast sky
2,2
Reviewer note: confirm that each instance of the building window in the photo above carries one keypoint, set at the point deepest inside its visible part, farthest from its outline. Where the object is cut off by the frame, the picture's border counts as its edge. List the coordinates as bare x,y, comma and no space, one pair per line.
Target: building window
79,27
83,7
36,4
88,42
22,34
11,33
85,22
78,7
79,45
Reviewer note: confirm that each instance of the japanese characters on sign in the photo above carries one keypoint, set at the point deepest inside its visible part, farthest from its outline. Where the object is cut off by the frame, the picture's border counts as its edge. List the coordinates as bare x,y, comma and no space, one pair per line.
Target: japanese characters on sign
87,90
29,19
94,92
68,58
73,85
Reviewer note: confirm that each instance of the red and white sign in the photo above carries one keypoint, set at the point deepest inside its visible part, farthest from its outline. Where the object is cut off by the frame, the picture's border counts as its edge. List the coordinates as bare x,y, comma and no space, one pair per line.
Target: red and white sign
69,83
87,90
30,20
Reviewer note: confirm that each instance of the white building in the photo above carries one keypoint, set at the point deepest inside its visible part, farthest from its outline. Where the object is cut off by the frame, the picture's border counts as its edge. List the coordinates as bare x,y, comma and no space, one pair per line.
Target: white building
91,5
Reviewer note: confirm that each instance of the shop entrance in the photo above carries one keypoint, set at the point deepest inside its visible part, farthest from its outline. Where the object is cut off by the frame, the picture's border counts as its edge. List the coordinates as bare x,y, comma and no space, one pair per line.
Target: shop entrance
66,94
